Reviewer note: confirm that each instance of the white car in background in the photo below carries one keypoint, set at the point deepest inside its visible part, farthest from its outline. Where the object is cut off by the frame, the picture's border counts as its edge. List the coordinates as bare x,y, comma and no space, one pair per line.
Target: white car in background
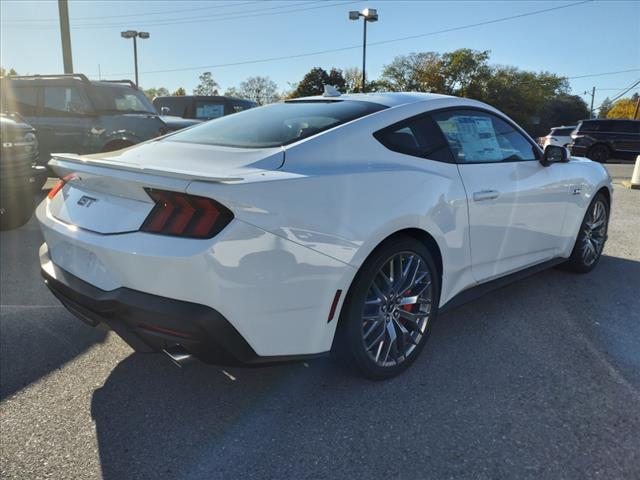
558,136
341,222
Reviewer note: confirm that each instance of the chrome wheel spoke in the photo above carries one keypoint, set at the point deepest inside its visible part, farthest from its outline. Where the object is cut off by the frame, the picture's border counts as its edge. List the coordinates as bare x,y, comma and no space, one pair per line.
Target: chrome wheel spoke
594,233
397,309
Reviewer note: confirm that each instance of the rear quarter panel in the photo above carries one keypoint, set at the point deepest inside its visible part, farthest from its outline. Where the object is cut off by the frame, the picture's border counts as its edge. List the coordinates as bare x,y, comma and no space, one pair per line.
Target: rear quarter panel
341,193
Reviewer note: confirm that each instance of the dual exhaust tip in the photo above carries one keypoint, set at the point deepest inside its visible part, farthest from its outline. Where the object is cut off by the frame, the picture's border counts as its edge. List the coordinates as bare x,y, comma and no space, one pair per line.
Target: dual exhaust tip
178,356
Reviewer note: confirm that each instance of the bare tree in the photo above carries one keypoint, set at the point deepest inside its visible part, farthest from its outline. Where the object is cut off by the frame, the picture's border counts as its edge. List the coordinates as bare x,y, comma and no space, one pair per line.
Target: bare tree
261,90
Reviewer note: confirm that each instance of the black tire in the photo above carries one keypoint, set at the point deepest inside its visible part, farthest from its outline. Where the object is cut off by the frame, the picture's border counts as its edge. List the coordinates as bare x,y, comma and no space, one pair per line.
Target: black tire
350,337
577,261
599,153
16,210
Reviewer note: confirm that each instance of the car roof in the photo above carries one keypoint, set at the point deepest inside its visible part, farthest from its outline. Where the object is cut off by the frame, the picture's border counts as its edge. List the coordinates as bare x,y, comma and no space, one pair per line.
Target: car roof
388,99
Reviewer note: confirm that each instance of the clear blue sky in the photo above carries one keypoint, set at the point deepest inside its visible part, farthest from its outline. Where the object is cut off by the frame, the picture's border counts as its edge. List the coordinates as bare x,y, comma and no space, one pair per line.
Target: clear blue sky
594,37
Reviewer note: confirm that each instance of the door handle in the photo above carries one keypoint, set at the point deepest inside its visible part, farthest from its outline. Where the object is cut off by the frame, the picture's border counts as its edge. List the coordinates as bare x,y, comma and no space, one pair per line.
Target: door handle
485,195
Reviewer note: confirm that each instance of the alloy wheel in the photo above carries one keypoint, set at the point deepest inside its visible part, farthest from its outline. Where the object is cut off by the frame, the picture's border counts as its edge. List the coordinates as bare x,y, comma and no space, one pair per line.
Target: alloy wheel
594,232
397,309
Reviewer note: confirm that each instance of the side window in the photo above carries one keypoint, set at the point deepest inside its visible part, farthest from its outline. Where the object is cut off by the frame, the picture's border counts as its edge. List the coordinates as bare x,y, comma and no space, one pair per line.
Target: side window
23,100
63,101
480,137
419,137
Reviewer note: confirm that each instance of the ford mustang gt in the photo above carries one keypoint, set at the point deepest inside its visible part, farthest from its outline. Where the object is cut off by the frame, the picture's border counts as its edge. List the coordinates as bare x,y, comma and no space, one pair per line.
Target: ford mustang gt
336,222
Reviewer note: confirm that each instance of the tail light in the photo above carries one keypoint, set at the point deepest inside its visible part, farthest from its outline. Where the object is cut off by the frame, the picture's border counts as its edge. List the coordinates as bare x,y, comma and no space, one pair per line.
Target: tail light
63,181
181,215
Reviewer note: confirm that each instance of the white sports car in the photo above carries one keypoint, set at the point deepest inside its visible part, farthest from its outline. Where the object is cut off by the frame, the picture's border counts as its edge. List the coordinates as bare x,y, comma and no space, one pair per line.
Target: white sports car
331,222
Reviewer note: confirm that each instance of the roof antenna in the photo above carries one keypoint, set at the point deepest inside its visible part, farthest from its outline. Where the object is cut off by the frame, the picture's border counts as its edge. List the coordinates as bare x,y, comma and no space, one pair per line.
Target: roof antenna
330,91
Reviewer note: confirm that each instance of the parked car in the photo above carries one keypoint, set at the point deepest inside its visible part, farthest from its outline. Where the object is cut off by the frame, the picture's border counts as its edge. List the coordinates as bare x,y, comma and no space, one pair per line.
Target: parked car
76,115
19,177
601,140
559,136
201,107
342,222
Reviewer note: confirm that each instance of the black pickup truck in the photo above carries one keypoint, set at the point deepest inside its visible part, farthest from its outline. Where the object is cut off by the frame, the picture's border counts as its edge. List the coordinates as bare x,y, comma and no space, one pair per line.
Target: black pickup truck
20,177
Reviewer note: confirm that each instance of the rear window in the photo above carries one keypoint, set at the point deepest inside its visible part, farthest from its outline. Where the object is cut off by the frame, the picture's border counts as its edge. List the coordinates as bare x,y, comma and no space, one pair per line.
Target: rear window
119,99
562,132
276,124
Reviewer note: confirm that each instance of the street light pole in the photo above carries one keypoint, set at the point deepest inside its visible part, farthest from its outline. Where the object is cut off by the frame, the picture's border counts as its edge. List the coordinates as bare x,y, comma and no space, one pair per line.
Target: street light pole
135,56
364,57
368,15
134,34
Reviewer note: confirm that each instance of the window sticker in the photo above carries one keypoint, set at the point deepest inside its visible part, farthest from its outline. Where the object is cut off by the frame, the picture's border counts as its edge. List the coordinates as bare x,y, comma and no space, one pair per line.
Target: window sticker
472,138
210,110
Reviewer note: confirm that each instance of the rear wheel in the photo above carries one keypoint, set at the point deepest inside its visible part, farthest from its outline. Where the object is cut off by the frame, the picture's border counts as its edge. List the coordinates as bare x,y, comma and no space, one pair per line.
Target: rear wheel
390,308
599,153
591,238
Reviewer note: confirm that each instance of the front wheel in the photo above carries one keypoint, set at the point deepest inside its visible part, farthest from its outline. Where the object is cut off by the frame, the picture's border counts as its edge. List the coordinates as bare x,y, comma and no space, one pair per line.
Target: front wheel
390,308
591,237
599,153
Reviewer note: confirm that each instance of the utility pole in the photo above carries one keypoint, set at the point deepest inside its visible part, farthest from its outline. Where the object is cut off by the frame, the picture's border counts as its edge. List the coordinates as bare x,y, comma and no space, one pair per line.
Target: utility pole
65,35
635,114
593,94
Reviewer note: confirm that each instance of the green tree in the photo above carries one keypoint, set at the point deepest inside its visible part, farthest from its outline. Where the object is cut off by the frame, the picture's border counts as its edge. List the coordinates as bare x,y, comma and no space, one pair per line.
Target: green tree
152,93
415,72
336,78
463,72
207,85
180,92
314,81
605,107
561,110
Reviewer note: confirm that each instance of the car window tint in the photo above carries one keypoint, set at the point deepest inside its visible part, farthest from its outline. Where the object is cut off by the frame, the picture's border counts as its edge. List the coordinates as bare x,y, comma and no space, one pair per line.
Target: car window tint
63,100
23,100
276,124
419,137
479,137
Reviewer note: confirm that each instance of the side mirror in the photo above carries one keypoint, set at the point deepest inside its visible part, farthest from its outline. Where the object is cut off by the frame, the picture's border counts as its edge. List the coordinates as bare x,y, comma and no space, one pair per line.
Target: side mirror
554,154
165,111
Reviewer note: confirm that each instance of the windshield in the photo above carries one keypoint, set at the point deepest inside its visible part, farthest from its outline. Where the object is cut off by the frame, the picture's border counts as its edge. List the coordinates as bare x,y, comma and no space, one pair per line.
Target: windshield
121,99
276,124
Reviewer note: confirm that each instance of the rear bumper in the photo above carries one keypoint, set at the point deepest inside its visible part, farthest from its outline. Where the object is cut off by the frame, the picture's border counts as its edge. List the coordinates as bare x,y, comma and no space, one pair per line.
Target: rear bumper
150,323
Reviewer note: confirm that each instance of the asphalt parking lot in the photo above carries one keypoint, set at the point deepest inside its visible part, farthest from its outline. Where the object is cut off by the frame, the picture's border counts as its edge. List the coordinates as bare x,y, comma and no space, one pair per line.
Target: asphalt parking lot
540,379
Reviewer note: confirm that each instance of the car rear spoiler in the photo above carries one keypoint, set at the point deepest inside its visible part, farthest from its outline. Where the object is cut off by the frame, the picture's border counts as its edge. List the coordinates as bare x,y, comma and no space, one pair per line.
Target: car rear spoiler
64,164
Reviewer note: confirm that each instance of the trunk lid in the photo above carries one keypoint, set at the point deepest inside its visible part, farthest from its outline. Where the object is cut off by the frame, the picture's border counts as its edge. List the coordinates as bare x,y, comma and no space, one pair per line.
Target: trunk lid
105,193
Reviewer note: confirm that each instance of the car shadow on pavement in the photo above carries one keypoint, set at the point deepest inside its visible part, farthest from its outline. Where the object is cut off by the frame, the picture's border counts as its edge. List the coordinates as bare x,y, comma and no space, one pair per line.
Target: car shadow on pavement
529,380
37,335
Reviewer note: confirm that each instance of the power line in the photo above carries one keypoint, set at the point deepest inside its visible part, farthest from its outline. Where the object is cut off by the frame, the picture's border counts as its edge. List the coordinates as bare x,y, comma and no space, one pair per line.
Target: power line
341,49
620,95
205,18
164,12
